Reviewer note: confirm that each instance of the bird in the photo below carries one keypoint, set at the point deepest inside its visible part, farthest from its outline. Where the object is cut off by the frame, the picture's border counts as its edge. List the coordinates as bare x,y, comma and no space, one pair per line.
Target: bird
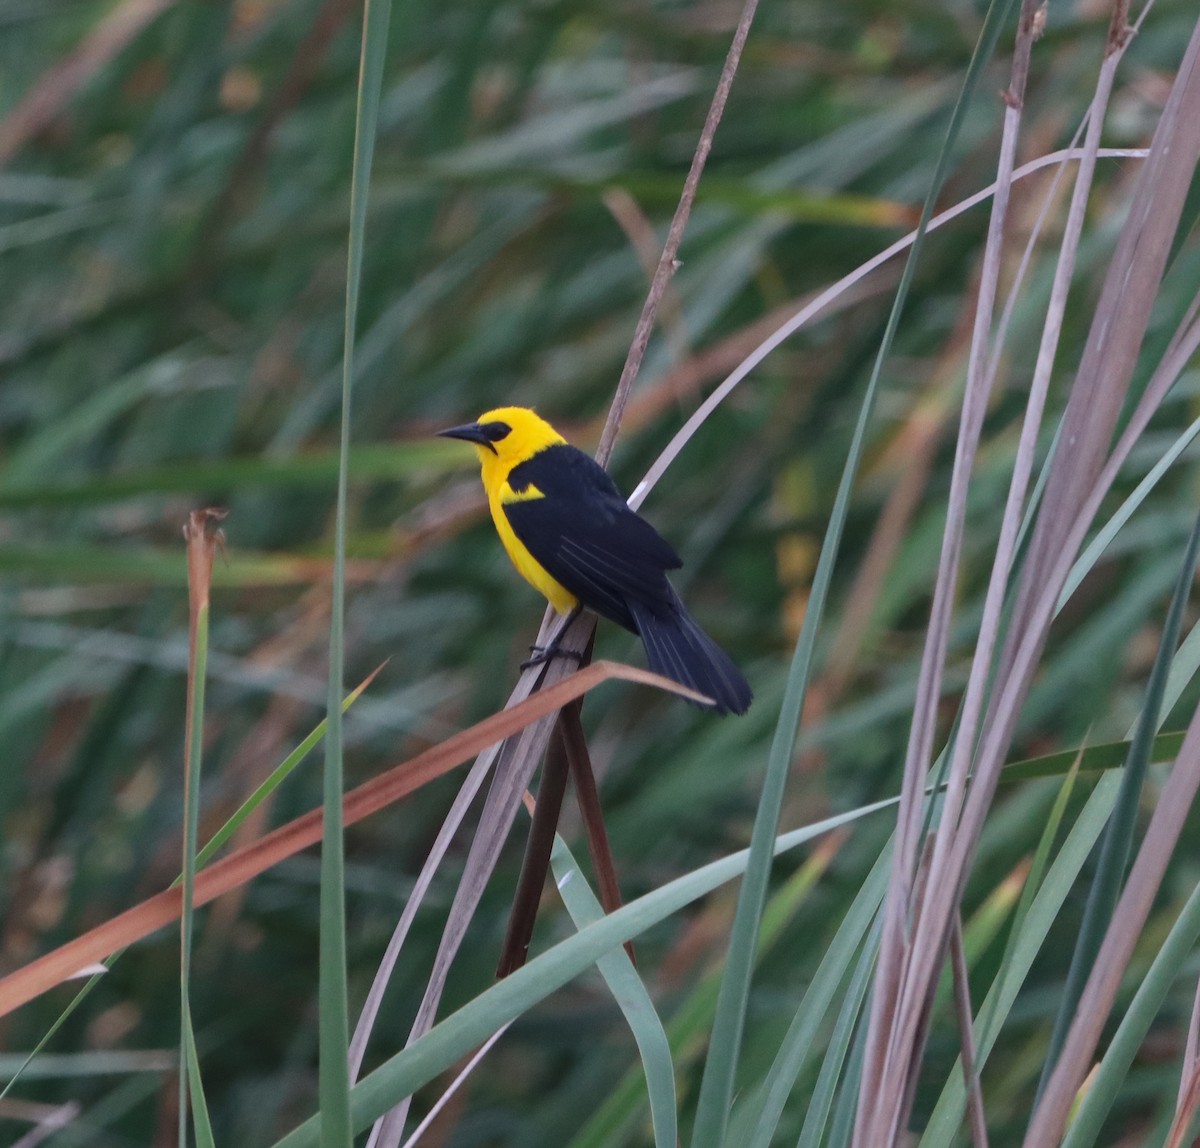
573,537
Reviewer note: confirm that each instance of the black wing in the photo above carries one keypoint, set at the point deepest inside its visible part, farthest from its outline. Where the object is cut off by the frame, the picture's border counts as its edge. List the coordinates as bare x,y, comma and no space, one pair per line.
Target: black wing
587,538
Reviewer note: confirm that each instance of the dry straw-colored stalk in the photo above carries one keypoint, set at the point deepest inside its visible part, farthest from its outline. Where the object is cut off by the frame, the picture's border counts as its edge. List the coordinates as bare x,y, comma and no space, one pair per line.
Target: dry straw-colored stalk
919,918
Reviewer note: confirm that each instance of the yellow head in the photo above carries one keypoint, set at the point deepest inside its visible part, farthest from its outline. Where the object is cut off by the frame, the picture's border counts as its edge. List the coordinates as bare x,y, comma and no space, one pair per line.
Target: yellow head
505,437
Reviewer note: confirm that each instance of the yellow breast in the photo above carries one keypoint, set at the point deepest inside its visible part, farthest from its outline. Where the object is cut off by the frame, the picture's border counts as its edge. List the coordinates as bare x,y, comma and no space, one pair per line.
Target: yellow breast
527,566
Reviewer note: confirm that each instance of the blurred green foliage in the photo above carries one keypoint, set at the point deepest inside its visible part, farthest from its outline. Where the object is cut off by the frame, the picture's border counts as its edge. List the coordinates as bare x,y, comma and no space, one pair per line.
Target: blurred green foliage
172,238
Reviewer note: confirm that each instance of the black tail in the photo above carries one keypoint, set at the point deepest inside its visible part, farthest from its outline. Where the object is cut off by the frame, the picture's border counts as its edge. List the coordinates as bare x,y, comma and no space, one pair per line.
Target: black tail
677,648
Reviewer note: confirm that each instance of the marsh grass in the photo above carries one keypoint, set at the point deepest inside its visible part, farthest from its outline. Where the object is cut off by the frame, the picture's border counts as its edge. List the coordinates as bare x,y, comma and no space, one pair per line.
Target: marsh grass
173,215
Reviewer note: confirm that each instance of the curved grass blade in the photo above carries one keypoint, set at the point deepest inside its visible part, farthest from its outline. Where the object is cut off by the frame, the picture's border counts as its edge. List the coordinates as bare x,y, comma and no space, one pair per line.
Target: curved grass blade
1097,546
459,1033
631,996
686,1029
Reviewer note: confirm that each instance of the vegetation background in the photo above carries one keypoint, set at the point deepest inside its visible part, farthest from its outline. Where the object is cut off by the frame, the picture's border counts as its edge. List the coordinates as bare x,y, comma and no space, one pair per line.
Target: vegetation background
174,189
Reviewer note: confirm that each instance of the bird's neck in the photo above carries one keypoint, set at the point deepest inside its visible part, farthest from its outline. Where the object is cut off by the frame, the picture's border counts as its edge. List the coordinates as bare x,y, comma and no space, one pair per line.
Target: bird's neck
496,469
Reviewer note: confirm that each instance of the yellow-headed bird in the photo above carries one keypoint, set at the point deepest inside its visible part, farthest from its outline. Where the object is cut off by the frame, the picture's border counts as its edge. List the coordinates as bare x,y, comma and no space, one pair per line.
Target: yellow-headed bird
573,537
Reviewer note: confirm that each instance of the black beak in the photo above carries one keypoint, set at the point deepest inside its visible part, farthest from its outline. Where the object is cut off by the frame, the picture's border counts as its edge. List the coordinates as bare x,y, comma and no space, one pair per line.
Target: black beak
468,432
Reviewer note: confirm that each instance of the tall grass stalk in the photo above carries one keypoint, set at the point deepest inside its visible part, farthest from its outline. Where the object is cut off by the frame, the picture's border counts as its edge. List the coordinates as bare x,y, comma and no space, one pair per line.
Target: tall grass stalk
334,1091
203,538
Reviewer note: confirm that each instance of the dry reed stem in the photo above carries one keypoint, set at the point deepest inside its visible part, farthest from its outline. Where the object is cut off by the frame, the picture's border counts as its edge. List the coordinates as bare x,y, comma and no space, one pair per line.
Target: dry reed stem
667,261
950,873
1183,347
583,777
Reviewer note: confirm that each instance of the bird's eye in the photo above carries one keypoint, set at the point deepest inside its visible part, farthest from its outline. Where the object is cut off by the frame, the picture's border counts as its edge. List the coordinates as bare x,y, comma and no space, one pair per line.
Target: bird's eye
496,431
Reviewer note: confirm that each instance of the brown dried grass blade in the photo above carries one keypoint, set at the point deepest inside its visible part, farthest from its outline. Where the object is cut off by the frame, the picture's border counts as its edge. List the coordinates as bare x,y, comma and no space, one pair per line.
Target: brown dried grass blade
61,964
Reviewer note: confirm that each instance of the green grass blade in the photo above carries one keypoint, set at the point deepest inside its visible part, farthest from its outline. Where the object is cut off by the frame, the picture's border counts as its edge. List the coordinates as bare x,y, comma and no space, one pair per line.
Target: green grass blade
817,1116
1108,755
1183,668
1118,841
334,1076
189,1068
1152,991
273,781
842,1127
200,1117
1033,882
631,996
59,1021
613,1120
716,1089
464,1030
798,1043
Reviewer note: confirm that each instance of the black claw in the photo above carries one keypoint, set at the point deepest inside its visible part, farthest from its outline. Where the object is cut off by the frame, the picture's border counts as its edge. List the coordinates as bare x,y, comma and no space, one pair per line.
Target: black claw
545,653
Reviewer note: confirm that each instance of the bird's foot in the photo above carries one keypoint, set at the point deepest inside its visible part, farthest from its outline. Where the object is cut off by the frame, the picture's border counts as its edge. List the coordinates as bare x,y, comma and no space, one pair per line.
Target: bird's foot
543,654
